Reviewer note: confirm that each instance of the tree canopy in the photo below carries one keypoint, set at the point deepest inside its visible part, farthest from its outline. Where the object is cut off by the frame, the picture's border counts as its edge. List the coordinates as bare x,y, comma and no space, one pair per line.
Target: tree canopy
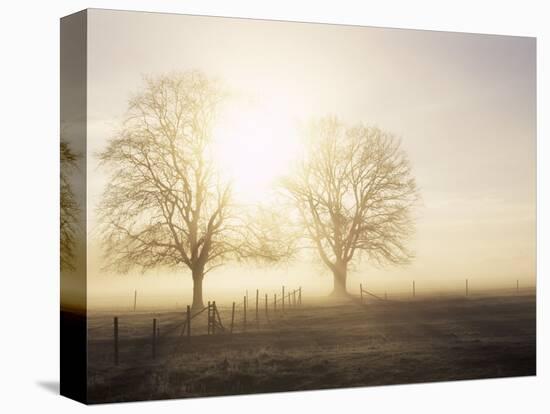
354,192
166,204
68,208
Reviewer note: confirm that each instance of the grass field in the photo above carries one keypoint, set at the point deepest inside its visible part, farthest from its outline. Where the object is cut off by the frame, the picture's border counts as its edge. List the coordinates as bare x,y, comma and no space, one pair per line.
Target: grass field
323,344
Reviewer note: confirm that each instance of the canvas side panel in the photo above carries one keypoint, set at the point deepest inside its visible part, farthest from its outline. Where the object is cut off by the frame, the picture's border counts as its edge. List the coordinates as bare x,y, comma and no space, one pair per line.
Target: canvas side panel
73,206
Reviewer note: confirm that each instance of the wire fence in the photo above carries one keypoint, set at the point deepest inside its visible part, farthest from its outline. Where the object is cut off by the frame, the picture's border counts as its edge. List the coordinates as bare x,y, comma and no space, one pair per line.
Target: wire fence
208,320
251,313
417,291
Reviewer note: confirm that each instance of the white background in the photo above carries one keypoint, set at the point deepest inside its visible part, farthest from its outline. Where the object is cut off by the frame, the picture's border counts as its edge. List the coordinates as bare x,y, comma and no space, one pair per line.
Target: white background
29,170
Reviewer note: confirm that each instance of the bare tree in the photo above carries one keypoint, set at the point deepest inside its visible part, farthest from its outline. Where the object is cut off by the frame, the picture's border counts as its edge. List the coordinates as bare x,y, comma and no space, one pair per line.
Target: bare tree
165,205
354,191
68,208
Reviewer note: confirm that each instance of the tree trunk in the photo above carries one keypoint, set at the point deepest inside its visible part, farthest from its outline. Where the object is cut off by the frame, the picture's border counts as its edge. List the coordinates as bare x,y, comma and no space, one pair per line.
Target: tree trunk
340,273
198,276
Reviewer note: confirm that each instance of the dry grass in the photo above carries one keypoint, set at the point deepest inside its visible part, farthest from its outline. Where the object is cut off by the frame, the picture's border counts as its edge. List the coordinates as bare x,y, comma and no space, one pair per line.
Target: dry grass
321,345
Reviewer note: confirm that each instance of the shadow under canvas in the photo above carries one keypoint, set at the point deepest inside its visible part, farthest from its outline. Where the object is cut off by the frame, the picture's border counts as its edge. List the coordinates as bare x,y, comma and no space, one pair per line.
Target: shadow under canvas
51,386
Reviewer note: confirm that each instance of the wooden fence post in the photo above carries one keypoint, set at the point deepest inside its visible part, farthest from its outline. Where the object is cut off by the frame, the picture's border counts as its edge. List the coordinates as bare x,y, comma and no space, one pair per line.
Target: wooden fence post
294,298
135,299
232,318
266,306
283,299
188,322
274,302
116,339
217,318
244,308
154,347
257,299
300,296
466,287
361,291
208,318
213,318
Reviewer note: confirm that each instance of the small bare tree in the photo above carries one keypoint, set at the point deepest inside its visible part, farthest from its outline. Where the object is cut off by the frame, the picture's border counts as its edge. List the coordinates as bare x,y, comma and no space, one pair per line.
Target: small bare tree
165,205
354,191
68,208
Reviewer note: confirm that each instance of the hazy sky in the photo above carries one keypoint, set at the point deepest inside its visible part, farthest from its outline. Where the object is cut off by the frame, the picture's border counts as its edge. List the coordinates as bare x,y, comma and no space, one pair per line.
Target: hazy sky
463,105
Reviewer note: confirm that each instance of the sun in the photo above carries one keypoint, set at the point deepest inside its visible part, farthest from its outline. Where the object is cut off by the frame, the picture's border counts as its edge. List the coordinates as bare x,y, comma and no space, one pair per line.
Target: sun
254,145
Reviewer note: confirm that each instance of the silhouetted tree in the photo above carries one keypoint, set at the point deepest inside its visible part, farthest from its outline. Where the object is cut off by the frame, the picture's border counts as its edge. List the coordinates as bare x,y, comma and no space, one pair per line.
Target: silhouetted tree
354,191
68,208
165,205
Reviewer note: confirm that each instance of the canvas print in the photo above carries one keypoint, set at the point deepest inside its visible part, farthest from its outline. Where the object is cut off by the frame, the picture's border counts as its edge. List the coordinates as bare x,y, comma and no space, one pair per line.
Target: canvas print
255,206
